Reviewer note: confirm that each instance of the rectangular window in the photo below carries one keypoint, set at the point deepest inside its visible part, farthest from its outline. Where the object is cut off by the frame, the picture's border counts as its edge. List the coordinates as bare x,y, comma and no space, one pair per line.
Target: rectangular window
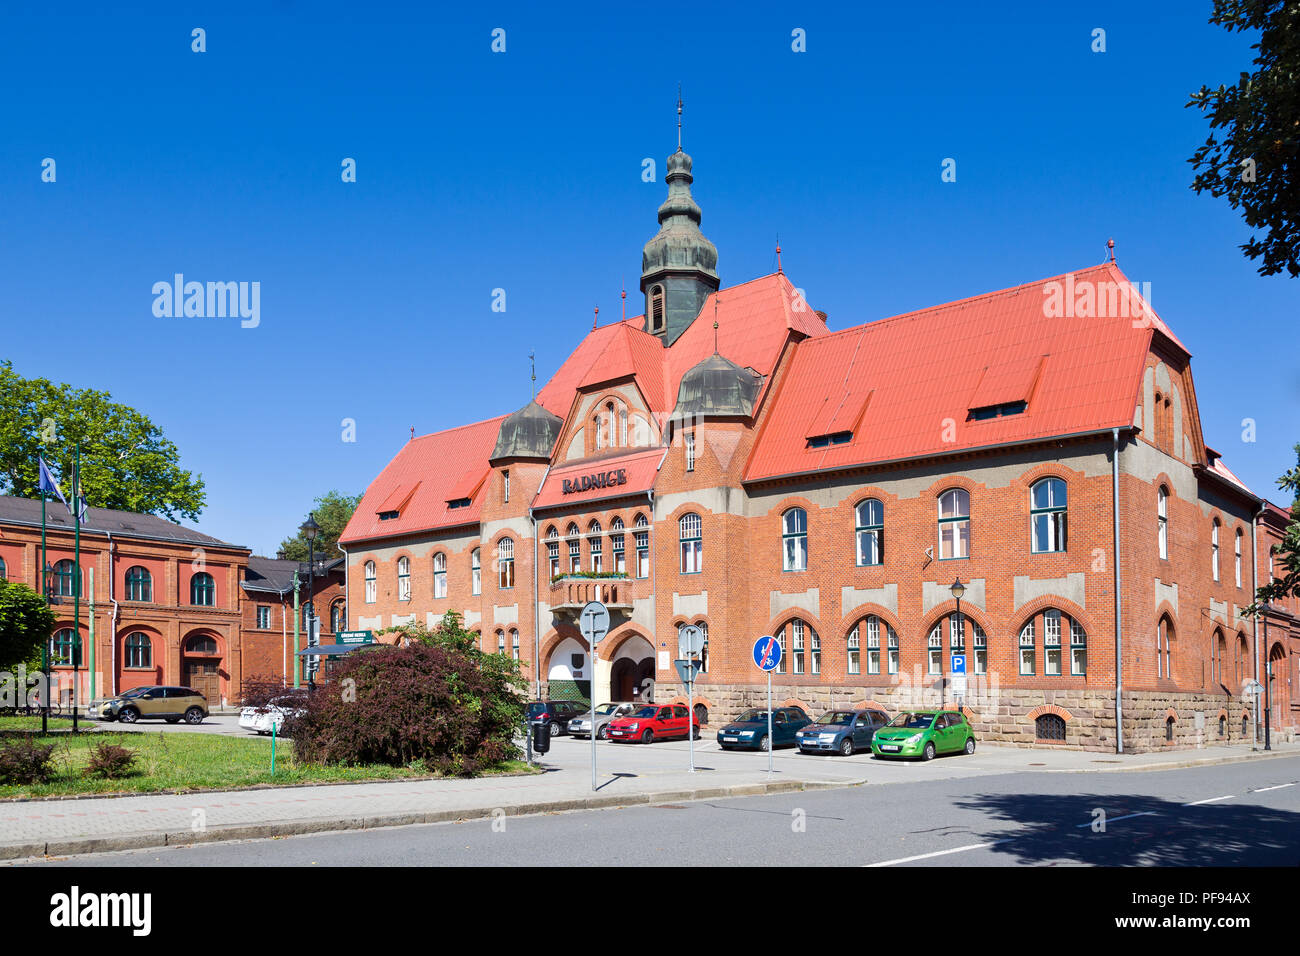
692,556
439,584
370,590
954,539
893,652
816,654
575,556
1027,649
1078,650
507,577
475,573
552,558
1052,643
873,646
935,652
690,451
855,652
514,644
981,649
597,555
643,554
620,560
263,616
796,649
505,484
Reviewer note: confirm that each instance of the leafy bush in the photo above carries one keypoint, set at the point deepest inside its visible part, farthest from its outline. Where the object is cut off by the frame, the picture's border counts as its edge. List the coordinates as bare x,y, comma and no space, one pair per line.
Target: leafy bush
438,700
23,761
110,762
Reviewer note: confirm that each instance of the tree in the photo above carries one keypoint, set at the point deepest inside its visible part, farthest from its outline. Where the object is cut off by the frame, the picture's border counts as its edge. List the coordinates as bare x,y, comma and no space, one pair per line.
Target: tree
126,462
1287,555
333,512
25,623
1255,161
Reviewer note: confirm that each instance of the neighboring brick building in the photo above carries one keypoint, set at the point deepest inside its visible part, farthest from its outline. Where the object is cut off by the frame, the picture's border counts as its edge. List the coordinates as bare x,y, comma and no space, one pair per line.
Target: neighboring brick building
730,462
1279,638
164,604
266,623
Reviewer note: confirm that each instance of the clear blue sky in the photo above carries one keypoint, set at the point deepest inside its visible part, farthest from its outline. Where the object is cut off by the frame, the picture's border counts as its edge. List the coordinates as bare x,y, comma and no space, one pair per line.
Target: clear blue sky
522,171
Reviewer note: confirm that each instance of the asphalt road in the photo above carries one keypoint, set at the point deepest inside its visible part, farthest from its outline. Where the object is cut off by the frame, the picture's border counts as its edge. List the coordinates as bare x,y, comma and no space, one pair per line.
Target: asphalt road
1230,815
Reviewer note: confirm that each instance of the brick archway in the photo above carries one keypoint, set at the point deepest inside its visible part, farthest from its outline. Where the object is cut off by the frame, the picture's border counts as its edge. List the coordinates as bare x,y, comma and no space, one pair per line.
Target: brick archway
1042,709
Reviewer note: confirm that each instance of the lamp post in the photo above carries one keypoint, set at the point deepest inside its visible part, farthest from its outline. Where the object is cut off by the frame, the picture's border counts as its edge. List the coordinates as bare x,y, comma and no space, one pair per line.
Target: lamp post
310,529
957,589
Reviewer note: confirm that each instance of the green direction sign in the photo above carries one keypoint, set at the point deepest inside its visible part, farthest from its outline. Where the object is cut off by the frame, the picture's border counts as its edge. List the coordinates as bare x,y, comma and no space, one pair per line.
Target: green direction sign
355,637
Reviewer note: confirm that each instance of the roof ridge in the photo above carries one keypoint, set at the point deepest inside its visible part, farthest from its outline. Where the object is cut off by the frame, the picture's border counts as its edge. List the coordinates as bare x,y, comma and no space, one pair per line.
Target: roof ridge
457,428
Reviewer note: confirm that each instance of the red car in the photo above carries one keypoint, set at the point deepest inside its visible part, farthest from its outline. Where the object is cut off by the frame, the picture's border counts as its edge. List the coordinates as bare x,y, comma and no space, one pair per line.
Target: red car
654,722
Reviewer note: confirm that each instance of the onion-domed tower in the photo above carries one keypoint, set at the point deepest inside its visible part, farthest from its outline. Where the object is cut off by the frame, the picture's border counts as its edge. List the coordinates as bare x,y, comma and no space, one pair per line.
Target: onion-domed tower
678,266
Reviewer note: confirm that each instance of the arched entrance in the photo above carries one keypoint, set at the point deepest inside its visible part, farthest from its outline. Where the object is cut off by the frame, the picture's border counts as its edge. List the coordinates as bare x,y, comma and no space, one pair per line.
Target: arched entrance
1278,687
632,675
201,666
568,673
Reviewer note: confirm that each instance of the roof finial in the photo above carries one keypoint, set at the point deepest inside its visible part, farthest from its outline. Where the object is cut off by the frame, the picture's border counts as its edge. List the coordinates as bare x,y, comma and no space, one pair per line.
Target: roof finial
778,254
715,323
412,433
679,117
1110,244
595,313
623,295
532,359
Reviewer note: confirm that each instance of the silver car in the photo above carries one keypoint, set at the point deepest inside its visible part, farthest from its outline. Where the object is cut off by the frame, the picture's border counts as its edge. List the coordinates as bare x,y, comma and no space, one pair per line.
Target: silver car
580,726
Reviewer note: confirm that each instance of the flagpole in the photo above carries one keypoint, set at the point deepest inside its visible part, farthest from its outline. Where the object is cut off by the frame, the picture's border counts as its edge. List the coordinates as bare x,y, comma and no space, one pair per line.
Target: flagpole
76,594
41,584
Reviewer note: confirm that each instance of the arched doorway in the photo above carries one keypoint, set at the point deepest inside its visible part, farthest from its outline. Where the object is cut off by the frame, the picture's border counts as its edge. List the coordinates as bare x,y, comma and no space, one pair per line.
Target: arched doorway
568,676
201,666
1278,687
632,675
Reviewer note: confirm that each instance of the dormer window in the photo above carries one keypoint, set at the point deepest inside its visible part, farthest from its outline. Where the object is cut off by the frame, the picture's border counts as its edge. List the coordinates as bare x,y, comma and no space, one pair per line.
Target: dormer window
657,309
996,411
823,441
387,515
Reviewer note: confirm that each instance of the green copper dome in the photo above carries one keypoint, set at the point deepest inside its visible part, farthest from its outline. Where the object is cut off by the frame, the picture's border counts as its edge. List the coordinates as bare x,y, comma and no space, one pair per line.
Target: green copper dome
530,432
679,267
717,387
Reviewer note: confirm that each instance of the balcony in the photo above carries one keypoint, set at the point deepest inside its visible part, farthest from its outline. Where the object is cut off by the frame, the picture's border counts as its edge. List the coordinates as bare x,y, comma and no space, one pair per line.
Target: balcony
571,593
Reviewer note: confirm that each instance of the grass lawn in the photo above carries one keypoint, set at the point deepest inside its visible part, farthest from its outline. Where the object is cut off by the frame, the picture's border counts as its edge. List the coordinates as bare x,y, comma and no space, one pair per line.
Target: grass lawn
181,761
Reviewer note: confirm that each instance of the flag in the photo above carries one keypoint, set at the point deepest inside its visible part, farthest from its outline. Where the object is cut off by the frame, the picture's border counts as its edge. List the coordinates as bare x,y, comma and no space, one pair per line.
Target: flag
49,485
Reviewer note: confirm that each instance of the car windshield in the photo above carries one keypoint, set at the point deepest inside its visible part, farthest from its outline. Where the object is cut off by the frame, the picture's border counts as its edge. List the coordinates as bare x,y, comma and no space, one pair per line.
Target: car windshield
836,717
645,712
536,708
752,716
604,710
136,691
912,721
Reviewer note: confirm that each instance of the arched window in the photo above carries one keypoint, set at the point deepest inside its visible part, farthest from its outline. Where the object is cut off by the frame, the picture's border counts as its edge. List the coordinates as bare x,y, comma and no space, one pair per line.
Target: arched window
65,649
1214,550
622,426
981,656
642,534
403,579
370,582
692,543
1047,515
1078,649
4,574
552,552
201,644
1237,555
1218,649
139,650
506,560
1169,729
802,635
1049,727
476,570
501,642
1162,521
656,309
954,524
1242,668
1027,648
514,643
794,540
873,627
139,584
1052,642
870,532
934,650
338,616
439,575
855,652
616,545
1164,648
203,590
575,548
65,583
596,547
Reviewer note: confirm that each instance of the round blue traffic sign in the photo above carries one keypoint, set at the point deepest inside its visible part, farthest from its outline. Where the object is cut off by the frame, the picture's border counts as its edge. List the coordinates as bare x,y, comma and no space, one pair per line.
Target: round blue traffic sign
767,652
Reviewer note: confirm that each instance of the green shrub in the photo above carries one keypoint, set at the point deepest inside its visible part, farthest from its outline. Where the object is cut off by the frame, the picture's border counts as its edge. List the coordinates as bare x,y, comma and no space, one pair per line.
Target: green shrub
24,761
110,762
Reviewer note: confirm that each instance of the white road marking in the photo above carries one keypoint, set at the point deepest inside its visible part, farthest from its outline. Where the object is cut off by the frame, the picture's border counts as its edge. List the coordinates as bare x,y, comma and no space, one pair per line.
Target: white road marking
927,856
1211,800
1127,816
1278,787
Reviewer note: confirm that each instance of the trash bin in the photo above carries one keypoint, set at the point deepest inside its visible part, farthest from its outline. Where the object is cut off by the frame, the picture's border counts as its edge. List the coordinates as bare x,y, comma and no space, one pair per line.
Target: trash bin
541,736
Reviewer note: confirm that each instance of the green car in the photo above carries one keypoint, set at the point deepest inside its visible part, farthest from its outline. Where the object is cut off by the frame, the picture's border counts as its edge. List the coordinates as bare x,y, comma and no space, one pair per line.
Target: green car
924,734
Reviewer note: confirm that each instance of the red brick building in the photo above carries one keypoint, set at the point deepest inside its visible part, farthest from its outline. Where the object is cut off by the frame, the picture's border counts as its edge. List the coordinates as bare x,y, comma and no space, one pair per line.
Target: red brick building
725,460
159,603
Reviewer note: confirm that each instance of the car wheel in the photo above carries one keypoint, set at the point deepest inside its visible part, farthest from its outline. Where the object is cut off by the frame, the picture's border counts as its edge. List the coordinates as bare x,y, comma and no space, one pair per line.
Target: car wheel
129,715
970,745
846,748
648,737
764,744
194,716
173,720
928,753
695,734
555,729
604,733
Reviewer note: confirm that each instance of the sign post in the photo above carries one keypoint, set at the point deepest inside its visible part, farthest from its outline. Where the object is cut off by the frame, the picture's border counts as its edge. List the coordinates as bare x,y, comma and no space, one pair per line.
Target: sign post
594,624
690,642
767,655
959,678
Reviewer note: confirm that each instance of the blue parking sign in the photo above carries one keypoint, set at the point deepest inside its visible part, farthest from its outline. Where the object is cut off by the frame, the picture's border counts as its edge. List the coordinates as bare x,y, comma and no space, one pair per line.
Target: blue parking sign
959,663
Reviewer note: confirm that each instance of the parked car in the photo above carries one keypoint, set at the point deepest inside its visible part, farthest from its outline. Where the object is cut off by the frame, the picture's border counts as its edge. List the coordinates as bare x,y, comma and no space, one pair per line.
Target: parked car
580,726
557,713
148,703
841,732
924,734
749,730
651,722
271,715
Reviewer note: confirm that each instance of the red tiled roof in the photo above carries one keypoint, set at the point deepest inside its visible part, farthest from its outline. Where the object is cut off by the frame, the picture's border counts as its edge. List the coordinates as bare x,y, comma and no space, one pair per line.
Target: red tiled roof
422,478
637,471
926,370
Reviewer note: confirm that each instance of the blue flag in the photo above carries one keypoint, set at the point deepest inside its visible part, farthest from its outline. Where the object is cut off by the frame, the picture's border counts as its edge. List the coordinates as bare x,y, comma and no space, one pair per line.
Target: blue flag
48,485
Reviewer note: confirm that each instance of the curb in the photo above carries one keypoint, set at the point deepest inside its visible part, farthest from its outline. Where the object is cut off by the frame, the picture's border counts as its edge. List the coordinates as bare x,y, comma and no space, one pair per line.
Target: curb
1212,761
262,831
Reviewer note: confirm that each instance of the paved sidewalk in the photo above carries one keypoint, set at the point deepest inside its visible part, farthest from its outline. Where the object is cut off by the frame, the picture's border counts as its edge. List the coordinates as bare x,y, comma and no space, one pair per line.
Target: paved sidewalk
629,775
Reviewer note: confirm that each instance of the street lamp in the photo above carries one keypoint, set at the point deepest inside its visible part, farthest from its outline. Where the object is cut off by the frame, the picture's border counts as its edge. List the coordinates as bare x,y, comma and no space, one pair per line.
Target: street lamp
957,590
310,529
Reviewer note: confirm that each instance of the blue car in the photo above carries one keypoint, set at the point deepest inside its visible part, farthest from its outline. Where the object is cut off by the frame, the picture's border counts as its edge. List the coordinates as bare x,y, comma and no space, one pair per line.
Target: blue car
749,730
842,732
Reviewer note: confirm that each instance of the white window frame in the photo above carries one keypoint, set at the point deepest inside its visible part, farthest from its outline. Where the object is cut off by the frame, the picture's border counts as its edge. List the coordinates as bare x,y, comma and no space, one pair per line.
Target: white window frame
691,535
403,578
1055,515
934,651
476,571
1162,521
1027,649
371,583
869,533
954,524
1051,643
794,539
440,575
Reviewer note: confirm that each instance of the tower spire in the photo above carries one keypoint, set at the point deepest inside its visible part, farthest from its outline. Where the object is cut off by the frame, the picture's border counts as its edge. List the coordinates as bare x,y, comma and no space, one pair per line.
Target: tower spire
532,359
778,255
679,117
716,296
